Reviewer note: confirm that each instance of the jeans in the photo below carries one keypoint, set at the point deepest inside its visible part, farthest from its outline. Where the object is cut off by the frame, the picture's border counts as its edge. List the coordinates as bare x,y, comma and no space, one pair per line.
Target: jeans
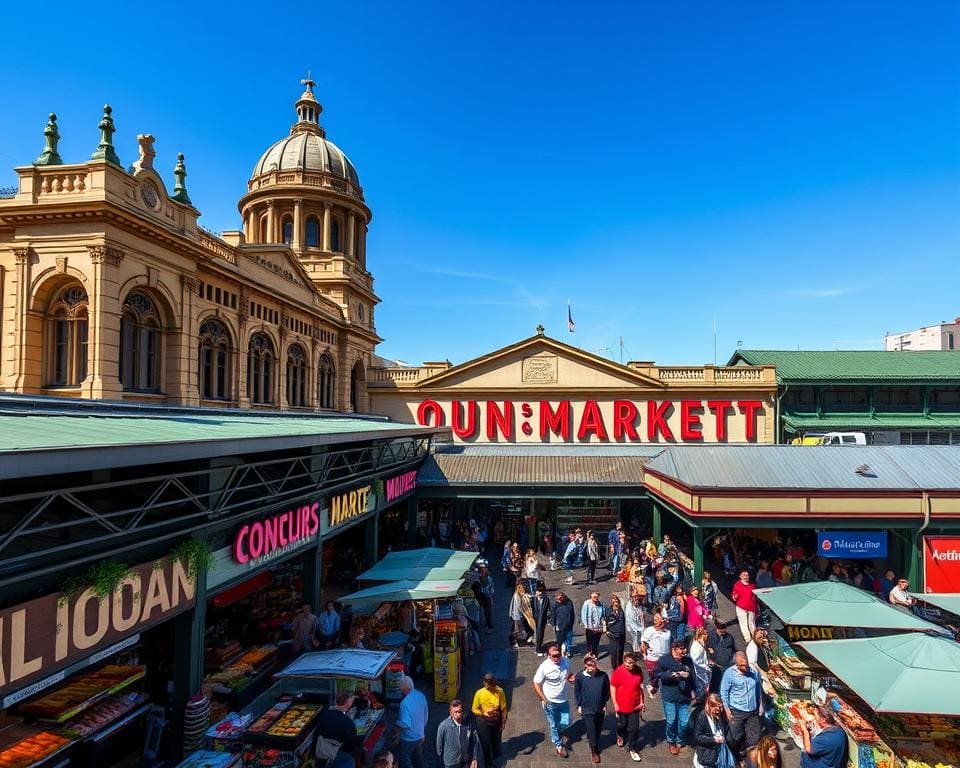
593,722
593,640
554,712
744,730
652,680
410,754
490,736
616,651
566,640
591,570
677,715
628,729
487,609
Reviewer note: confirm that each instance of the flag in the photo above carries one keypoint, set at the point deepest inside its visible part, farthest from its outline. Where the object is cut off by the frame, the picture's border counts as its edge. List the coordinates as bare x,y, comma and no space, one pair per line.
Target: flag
571,326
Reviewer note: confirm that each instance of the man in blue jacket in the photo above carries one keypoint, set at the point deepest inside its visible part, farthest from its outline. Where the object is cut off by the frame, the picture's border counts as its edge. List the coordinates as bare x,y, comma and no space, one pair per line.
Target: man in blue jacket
677,689
563,617
591,690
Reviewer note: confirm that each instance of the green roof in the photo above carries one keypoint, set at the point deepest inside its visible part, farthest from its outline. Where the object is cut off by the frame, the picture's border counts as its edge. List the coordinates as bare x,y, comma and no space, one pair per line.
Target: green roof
860,422
855,366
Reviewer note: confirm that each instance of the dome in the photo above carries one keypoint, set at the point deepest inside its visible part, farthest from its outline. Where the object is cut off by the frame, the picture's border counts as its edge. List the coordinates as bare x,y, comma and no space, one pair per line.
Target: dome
307,151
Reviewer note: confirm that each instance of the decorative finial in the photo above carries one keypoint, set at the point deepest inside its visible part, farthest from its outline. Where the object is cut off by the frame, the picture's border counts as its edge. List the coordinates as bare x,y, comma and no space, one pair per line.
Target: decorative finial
541,330
105,150
180,186
147,152
49,156
308,82
308,110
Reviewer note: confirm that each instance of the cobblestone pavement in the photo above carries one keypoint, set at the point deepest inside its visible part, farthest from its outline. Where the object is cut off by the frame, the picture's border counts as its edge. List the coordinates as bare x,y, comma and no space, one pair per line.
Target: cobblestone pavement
524,739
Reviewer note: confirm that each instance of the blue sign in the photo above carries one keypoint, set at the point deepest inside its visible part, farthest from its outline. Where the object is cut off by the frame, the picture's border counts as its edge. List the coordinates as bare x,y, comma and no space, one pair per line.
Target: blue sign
852,544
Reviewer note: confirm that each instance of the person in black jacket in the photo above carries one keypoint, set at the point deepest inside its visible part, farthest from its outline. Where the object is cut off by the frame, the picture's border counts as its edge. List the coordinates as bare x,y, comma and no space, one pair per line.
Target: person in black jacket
720,649
334,724
710,732
616,631
563,618
540,605
677,679
591,691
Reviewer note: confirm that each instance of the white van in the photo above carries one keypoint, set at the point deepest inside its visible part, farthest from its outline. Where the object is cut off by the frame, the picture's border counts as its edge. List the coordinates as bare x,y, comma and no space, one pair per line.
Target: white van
844,438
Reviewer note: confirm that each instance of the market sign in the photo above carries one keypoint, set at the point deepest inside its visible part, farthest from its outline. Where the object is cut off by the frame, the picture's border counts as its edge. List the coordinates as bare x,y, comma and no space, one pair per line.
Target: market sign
852,544
941,564
274,536
595,421
803,632
42,637
400,485
346,506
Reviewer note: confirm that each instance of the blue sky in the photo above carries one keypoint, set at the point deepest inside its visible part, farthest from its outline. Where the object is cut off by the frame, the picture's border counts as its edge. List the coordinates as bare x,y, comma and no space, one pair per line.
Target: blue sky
792,171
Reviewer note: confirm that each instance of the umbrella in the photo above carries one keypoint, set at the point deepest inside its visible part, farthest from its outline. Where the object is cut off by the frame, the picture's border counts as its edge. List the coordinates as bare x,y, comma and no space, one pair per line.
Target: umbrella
416,573
949,602
405,589
834,604
351,662
429,557
907,674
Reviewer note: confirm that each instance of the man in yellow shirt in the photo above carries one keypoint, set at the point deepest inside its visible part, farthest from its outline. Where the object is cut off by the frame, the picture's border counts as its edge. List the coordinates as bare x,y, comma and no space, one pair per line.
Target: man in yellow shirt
490,710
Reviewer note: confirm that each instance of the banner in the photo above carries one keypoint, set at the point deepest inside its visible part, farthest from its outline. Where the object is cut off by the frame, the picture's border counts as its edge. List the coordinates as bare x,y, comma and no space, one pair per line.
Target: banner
852,544
941,564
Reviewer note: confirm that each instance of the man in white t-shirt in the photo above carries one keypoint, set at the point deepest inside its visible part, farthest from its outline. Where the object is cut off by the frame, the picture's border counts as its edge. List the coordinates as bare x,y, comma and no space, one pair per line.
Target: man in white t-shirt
654,643
550,684
899,596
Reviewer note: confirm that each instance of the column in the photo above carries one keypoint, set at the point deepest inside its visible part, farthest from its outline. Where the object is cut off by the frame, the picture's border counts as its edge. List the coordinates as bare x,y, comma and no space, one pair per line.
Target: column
412,521
350,234
362,246
913,561
103,376
20,341
326,226
372,542
656,523
188,651
271,224
297,224
311,578
183,375
697,555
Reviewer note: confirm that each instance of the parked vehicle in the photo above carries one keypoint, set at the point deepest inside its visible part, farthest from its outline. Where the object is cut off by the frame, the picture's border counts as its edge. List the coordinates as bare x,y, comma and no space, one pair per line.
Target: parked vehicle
844,438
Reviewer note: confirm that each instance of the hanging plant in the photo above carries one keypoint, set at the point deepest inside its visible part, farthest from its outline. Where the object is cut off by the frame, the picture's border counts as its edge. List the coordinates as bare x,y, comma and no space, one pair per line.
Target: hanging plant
102,578
195,555
378,488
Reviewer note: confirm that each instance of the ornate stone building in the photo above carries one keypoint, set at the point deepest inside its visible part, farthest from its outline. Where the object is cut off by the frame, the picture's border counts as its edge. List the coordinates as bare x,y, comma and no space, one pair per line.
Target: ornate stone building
110,289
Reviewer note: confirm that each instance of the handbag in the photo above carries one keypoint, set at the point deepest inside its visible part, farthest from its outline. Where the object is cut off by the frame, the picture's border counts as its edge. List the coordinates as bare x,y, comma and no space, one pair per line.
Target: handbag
327,748
725,757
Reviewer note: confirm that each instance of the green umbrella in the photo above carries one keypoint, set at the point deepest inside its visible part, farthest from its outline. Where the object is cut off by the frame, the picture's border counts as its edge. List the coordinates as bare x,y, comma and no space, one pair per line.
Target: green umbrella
910,673
430,557
383,572
834,604
949,602
406,589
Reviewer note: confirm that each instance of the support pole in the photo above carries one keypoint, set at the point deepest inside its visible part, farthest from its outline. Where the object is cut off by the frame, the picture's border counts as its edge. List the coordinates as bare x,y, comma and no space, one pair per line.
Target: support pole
657,524
697,555
311,579
188,652
412,521
370,551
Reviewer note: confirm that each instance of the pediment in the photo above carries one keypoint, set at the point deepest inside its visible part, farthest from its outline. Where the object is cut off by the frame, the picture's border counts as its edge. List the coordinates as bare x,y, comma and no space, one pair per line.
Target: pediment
540,363
277,267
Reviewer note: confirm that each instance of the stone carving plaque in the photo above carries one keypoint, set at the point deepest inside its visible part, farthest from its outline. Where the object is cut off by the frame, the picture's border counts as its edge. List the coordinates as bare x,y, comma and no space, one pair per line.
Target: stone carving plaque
539,369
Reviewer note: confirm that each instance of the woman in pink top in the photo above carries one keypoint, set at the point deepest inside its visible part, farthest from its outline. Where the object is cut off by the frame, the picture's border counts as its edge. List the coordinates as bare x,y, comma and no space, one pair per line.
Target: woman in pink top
746,602
696,611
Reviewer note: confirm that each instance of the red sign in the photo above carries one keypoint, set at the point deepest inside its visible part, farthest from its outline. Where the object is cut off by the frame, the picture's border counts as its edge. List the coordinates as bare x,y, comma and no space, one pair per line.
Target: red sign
400,485
941,564
276,534
626,422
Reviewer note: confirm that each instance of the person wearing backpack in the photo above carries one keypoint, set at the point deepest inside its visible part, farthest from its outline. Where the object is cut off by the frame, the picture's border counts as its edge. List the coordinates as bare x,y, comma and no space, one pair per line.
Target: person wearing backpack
337,738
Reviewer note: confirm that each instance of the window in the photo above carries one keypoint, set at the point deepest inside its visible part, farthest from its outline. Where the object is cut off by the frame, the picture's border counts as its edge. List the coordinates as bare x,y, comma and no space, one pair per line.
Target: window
327,382
263,229
260,369
140,344
357,381
214,361
313,232
949,341
296,377
67,338
287,226
334,235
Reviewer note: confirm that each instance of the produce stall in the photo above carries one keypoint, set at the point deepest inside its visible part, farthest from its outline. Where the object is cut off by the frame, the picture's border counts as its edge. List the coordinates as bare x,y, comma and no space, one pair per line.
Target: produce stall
282,736
237,675
898,697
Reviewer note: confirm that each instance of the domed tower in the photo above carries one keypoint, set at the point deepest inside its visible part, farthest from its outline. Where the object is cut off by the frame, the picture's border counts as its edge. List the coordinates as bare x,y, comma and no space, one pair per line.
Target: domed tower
304,194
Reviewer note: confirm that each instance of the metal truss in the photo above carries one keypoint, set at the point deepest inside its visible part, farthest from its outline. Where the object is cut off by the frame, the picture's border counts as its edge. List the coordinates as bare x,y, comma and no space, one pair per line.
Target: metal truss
47,530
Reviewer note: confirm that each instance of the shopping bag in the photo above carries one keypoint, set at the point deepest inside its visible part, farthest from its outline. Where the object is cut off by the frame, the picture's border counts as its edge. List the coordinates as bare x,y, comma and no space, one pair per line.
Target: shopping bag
327,748
725,757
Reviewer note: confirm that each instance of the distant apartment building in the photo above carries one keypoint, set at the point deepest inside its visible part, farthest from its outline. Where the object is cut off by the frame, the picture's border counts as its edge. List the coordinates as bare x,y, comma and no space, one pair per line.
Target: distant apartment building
943,336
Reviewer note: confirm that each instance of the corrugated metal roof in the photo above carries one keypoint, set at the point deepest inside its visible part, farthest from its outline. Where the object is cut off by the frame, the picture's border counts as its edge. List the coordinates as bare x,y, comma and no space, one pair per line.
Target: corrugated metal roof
785,467
531,468
550,449
857,365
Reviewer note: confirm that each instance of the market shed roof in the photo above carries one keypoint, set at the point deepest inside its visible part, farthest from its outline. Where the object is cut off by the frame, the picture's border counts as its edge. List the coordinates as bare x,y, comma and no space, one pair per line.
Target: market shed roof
574,465
854,366
788,467
858,422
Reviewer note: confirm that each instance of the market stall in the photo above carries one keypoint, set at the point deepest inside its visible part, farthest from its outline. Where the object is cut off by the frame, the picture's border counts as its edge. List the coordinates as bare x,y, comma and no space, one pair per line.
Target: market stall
898,697
422,564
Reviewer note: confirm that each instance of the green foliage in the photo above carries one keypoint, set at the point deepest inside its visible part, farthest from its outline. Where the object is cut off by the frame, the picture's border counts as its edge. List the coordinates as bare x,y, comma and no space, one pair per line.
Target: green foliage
195,554
101,578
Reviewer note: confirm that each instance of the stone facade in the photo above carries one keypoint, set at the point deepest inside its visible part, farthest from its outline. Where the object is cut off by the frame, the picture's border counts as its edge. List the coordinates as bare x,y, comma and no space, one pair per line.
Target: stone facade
110,289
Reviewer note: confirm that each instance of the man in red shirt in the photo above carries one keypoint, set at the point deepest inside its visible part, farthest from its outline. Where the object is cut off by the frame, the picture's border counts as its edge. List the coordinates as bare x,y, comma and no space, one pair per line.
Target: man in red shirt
626,690
746,602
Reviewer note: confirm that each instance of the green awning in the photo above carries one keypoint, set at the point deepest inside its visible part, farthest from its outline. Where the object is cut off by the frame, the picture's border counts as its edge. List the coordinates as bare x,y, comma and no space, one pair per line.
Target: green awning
862,422
416,563
406,589
399,573
903,674
949,602
833,604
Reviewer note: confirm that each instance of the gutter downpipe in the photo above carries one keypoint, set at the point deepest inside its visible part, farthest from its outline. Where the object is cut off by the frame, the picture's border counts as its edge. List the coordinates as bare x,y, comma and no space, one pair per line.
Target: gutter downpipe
778,431
916,555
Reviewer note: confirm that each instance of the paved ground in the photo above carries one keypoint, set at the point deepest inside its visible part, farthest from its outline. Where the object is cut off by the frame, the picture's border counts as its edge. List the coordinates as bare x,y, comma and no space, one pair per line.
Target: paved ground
525,742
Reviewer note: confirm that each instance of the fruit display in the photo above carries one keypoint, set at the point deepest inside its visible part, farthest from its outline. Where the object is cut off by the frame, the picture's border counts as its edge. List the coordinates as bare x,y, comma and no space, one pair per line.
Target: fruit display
226,651
225,735
933,727
285,725
104,712
294,721
32,750
81,692
269,717
254,658
926,755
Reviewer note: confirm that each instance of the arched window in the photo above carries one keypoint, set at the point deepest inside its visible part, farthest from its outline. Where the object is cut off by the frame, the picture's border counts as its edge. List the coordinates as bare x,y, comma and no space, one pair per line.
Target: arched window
287,228
357,380
327,382
140,343
67,338
313,232
263,229
296,376
214,361
334,235
260,369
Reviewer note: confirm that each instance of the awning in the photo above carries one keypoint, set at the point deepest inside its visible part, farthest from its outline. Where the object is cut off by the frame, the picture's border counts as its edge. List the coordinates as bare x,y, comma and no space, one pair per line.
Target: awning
241,590
864,422
904,674
834,604
406,589
416,563
349,662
